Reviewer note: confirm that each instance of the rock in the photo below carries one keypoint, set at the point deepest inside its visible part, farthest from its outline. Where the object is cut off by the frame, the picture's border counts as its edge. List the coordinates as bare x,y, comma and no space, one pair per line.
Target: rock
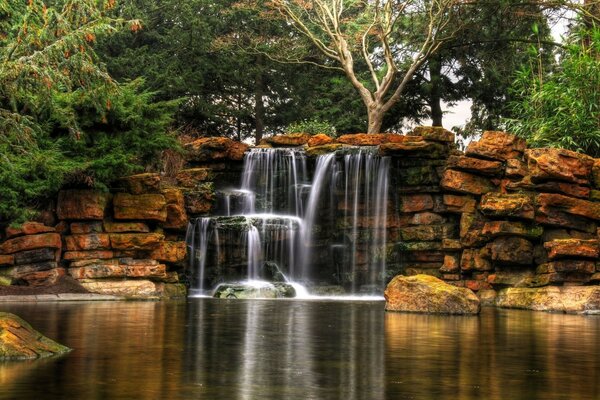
176,215
260,290
135,289
28,228
6,260
569,205
323,149
87,255
475,260
19,341
86,227
494,229
471,230
497,146
510,278
98,269
553,216
149,271
210,149
420,149
451,264
42,278
425,218
464,182
126,227
565,248
476,165
512,250
596,173
190,178
459,204
319,140
171,252
507,205
200,200
515,169
92,241
416,203
586,266
141,183
20,270
35,256
82,204
375,139
559,164
421,233
289,140
135,241
567,299
451,244
434,133
143,206
563,187
31,242
427,294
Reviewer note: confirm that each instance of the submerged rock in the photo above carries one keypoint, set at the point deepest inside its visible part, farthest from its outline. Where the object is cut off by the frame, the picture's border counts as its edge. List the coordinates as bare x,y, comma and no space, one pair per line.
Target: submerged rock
254,290
19,341
428,294
567,299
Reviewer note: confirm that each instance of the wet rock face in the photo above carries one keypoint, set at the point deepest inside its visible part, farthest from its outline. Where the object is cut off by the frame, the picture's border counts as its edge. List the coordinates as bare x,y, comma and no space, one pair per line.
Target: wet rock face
272,290
214,149
19,341
568,299
427,294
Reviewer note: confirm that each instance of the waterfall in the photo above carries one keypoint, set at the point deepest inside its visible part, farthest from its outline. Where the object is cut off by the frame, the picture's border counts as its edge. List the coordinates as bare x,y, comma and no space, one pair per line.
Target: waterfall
197,237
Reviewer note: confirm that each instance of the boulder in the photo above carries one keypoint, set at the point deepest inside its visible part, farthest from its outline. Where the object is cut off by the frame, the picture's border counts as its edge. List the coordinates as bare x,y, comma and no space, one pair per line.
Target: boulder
31,242
319,140
459,204
375,139
512,250
512,205
135,241
82,204
567,248
477,165
464,182
289,140
496,145
559,164
135,289
176,215
190,178
171,252
585,266
210,149
28,228
569,205
434,133
92,241
428,294
420,149
141,183
141,207
254,290
566,299
19,341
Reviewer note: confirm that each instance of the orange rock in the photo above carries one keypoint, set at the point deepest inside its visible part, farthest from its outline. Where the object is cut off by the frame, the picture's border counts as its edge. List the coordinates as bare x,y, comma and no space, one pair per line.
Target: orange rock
471,229
157,271
171,252
143,206
135,241
319,139
190,178
465,182
30,242
98,269
474,260
81,204
459,204
86,227
424,218
570,205
411,149
28,228
559,164
562,248
515,168
495,229
451,264
477,165
496,145
563,187
289,139
434,133
236,151
176,215
512,250
43,278
375,139
7,260
88,255
596,173
585,266
553,216
121,227
210,149
92,241
507,205
416,203
141,183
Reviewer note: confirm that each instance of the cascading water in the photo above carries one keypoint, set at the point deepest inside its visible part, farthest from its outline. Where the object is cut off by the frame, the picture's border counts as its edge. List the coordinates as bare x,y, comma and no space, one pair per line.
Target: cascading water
330,231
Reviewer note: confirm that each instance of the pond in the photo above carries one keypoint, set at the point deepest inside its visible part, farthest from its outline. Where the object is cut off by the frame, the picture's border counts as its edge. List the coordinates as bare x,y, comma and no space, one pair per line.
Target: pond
303,349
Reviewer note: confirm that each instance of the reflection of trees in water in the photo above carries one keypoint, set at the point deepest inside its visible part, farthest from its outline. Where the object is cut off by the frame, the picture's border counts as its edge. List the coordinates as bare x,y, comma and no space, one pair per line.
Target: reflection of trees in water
499,355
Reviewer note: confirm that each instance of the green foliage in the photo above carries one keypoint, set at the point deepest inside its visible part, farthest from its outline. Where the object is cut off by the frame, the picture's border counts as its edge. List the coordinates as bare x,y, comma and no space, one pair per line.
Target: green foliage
312,127
562,108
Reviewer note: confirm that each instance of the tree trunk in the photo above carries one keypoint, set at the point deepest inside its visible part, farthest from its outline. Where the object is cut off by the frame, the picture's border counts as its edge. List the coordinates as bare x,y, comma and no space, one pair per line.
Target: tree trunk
259,107
435,92
375,114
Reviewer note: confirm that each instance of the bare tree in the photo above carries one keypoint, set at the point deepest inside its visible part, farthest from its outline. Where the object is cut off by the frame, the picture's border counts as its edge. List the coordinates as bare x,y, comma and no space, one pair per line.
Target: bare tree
378,44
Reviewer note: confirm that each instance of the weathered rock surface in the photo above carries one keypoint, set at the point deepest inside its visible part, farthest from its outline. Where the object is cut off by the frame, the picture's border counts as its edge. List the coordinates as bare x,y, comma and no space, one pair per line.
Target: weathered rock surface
81,204
565,248
559,164
140,207
141,183
497,146
31,242
421,149
268,290
93,241
567,299
375,139
172,252
135,289
135,241
477,165
28,228
434,133
19,341
190,178
427,294
176,215
289,139
507,205
465,182
319,140
215,149
512,250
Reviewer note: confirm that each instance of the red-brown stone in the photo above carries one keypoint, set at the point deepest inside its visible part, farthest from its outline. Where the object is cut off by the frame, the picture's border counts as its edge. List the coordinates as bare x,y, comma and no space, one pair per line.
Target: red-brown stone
289,139
596,173
515,168
141,183
586,266
563,187
420,149
141,207
434,133
566,248
82,204
86,227
513,205
176,215
459,204
497,146
155,271
477,165
559,164
123,227
98,269
171,252
30,242
570,205
88,255
451,264
464,182
190,178
471,230
474,260
416,203
135,241
512,250
6,260
376,139
210,149
495,229
92,241
319,139
43,278
28,228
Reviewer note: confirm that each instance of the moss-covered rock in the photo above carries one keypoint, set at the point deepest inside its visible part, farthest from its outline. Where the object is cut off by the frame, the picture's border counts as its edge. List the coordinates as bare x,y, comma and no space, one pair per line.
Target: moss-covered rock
19,341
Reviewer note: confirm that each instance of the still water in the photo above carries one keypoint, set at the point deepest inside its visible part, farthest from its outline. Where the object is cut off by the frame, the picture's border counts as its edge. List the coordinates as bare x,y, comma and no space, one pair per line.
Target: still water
278,349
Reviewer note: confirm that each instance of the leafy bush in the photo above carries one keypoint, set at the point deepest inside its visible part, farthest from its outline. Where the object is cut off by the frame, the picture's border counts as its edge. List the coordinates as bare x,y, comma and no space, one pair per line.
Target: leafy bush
562,108
312,127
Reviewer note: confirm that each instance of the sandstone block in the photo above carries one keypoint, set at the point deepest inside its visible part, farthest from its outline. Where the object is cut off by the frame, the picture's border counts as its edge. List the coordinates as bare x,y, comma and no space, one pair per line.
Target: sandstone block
323,149
28,228
476,165
566,248
35,256
471,230
141,183
416,203
585,299
459,204
559,164
464,182
426,218
88,255
6,260
93,241
19,341
507,205
421,233
43,278
86,227
422,149
451,264
31,242
376,139
141,207
474,260
158,271
497,146
126,227
512,250
553,216
586,266
569,189
135,241
319,140
210,149
434,133
190,178
98,270
171,252
569,205
82,204
289,139
176,215
201,200
515,168
495,229
596,173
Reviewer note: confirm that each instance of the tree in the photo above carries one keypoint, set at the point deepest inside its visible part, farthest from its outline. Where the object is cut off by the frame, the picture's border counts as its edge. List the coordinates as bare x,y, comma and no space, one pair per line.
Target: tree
392,38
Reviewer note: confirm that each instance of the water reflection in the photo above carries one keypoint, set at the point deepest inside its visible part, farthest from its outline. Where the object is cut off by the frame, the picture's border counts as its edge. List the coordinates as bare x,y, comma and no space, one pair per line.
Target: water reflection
220,349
